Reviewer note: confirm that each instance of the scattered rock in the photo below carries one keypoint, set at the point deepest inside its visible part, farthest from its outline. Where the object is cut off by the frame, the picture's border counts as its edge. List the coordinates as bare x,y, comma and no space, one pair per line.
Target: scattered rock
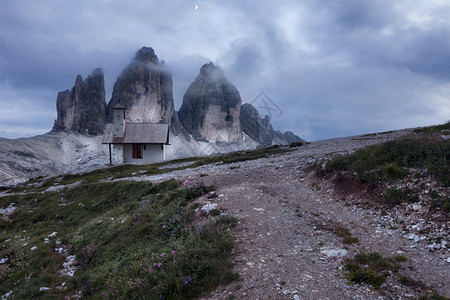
335,252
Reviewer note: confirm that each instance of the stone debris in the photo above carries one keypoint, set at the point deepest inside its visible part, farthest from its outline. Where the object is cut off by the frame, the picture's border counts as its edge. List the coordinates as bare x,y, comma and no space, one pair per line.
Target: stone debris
8,211
7,295
335,252
207,207
69,266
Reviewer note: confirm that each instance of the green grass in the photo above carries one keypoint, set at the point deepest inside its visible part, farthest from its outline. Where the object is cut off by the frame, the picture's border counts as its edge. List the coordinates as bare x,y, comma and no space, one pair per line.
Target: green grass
370,268
390,160
130,170
338,230
434,129
409,159
131,240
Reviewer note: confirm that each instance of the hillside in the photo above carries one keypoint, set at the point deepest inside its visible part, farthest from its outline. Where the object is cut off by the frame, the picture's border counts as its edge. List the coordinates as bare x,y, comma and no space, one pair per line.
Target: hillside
302,229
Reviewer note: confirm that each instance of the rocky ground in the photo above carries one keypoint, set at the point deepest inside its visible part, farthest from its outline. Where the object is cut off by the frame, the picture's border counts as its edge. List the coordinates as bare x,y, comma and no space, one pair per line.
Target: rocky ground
283,248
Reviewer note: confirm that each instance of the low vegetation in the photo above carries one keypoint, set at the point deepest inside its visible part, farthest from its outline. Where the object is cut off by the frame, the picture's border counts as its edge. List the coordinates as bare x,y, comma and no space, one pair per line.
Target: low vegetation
410,159
374,269
339,230
370,268
130,170
130,240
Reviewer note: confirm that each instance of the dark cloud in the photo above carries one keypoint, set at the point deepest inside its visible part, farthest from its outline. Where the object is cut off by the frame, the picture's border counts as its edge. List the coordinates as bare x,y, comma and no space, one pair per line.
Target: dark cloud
335,67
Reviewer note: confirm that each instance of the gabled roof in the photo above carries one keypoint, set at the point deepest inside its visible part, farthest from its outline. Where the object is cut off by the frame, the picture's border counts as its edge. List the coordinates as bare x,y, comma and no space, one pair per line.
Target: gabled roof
138,133
119,106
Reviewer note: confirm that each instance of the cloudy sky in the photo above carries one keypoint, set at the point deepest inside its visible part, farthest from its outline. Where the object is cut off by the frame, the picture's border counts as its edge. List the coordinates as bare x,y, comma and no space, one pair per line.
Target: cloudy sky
328,68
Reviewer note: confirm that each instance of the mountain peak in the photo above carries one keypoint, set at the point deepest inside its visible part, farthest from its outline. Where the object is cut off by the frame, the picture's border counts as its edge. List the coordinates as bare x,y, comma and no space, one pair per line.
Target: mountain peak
146,55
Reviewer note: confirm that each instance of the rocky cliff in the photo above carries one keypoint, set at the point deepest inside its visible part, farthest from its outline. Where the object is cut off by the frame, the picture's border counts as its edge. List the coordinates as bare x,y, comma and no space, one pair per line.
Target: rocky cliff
211,107
83,108
145,89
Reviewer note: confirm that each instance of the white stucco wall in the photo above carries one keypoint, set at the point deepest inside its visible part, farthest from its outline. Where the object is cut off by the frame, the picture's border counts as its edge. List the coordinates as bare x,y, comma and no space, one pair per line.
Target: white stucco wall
151,153
117,154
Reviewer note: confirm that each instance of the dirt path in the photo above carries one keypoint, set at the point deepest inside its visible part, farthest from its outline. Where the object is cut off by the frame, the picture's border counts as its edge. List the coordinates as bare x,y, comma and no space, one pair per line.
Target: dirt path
281,206
281,243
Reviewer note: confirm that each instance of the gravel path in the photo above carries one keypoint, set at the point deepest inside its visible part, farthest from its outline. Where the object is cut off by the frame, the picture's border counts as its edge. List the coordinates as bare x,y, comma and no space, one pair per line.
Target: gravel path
281,248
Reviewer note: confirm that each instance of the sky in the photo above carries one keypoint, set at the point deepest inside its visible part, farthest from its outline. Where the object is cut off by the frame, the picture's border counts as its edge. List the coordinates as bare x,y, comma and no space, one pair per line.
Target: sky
321,69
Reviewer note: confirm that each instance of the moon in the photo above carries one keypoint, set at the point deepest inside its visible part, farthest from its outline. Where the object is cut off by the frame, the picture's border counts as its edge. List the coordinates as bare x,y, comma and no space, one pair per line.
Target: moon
196,7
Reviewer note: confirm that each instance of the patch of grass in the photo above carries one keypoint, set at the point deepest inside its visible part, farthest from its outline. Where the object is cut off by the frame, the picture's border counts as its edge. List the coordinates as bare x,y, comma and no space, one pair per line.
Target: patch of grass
130,170
214,212
393,196
296,144
408,281
400,258
433,129
370,268
131,240
339,230
390,160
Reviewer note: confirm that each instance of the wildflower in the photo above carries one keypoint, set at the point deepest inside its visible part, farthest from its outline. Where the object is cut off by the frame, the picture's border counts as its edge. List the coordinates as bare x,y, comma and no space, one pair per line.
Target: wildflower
164,226
173,251
103,294
188,281
159,265
150,270
132,283
162,255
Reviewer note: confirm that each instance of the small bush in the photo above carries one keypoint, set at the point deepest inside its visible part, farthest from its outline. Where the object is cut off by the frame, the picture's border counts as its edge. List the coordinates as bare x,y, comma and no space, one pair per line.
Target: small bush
400,258
296,144
408,281
371,268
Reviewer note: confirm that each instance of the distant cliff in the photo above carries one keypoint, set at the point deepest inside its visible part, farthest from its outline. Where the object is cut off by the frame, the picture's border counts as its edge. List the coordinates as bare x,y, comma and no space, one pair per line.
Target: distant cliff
211,107
145,89
82,109
211,110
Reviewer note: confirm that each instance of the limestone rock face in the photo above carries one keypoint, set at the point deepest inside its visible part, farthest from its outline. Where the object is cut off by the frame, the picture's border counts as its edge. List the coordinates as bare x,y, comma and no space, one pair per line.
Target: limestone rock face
145,89
260,130
254,126
82,109
211,107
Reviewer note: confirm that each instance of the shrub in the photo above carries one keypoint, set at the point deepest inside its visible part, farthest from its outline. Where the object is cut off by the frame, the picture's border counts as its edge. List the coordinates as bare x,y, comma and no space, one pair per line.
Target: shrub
370,268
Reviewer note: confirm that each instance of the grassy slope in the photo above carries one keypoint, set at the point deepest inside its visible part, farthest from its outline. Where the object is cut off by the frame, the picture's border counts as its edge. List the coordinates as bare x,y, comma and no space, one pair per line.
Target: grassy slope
130,239
406,162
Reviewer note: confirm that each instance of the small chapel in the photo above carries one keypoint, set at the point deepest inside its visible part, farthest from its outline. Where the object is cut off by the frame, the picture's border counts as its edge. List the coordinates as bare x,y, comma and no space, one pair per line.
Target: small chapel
134,143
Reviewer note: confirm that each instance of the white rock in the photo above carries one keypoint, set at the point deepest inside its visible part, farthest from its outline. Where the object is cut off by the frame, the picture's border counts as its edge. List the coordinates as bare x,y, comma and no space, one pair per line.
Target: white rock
416,207
46,241
33,248
296,297
448,260
3,260
208,207
412,236
258,209
335,252
9,210
44,288
6,296
52,234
